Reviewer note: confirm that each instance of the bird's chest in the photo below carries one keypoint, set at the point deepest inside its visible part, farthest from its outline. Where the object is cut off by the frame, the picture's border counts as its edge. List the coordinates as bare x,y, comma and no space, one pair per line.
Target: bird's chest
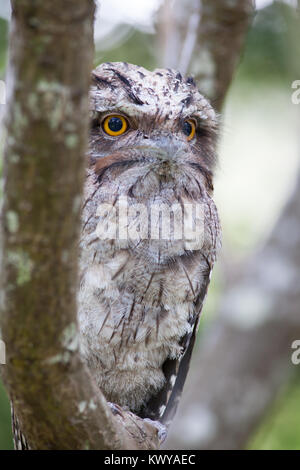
130,306
137,289
132,316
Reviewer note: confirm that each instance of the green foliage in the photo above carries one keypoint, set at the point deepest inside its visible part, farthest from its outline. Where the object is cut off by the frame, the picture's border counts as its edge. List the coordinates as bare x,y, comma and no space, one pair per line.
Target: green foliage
3,45
281,428
5,427
272,46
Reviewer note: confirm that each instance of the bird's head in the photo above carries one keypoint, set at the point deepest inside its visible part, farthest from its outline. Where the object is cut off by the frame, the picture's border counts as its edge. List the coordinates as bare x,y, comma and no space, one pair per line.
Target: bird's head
151,129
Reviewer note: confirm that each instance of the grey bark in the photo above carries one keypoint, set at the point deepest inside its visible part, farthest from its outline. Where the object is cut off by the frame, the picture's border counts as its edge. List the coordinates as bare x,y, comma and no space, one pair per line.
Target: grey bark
221,36
205,38
58,406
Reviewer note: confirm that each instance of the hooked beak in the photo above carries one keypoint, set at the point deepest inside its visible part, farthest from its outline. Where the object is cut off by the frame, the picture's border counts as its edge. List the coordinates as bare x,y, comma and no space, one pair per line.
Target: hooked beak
161,147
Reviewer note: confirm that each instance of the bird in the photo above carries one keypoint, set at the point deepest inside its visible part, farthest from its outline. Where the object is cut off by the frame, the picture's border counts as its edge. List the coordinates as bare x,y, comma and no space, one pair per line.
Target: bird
150,167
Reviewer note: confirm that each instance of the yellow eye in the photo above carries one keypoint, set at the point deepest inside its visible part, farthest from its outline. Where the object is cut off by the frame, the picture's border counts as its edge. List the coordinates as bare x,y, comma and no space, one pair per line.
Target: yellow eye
189,129
115,125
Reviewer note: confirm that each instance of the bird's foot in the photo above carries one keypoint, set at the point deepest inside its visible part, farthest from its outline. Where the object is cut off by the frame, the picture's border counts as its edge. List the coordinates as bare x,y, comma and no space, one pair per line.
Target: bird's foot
115,408
161,429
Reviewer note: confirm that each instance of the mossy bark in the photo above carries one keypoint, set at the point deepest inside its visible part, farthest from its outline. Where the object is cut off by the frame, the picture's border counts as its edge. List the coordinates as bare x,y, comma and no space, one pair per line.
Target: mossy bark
51,52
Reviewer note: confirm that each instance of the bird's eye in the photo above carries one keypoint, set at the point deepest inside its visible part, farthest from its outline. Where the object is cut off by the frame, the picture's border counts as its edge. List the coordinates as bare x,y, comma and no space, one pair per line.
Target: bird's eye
115,125
189,129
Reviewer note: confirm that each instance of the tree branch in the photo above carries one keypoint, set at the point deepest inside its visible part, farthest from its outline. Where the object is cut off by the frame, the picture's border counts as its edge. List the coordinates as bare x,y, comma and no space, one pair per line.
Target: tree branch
221,36
212,34
57,404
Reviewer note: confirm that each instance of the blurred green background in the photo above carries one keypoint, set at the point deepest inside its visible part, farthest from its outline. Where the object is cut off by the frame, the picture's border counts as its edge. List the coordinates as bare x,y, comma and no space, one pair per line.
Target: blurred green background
259,157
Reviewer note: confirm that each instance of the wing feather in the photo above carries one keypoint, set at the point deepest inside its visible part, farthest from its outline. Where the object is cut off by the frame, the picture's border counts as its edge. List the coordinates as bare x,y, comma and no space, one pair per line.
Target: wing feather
162,407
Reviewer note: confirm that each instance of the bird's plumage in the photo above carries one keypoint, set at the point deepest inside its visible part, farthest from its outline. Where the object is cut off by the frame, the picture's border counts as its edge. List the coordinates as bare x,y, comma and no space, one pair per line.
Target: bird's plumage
140,298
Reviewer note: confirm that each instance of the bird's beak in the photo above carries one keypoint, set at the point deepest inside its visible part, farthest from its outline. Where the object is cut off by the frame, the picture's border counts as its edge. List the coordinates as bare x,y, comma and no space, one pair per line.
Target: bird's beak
162,147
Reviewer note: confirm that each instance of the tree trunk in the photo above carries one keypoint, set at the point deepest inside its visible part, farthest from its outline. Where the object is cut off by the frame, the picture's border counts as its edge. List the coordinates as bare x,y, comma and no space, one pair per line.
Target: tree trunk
58,406
211,35
221,37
